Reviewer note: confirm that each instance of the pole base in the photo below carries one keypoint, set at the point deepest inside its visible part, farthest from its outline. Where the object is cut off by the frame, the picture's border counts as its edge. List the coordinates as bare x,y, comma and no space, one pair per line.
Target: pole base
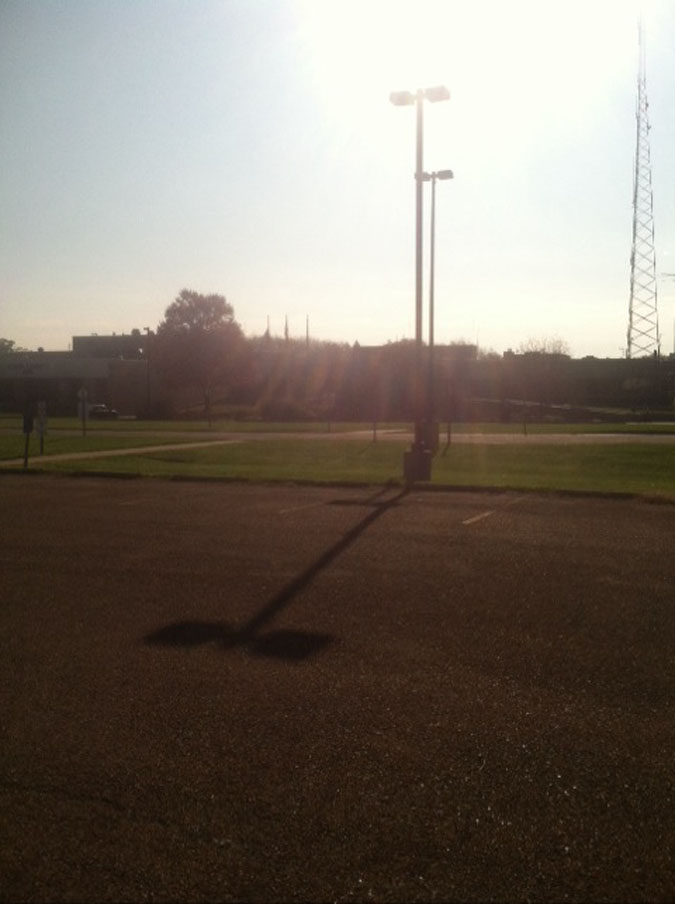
417,463
430,435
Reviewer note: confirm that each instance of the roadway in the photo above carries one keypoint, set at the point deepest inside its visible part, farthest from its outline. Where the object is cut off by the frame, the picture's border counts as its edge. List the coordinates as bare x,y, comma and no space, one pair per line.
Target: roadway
239,693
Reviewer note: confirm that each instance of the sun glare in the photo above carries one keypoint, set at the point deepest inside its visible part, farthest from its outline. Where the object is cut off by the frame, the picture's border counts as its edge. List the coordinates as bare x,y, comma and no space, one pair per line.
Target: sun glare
360,48
497,58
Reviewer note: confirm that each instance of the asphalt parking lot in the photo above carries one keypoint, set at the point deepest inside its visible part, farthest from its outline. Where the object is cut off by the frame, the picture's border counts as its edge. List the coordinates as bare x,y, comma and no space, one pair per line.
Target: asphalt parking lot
221,692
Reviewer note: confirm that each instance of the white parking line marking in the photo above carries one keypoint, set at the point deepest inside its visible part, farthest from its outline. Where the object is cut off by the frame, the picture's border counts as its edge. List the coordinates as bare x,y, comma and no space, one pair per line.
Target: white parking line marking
478,517
492,511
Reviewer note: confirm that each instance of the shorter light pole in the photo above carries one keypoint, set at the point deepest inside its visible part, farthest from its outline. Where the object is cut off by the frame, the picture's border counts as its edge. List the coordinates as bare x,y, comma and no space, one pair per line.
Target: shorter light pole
432,441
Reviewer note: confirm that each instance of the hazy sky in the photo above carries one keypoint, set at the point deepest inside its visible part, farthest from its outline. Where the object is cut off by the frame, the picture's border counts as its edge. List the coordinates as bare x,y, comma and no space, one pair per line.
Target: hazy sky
248,147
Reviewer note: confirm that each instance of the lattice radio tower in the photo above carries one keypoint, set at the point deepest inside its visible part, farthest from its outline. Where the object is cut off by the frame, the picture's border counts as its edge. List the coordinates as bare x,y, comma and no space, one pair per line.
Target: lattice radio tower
643,318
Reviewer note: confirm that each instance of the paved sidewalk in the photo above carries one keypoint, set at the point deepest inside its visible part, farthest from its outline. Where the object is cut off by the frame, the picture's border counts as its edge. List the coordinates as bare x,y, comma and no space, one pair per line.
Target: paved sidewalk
107,453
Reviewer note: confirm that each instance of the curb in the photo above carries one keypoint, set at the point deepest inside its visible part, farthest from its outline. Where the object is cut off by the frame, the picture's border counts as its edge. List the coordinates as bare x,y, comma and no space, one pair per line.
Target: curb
617,496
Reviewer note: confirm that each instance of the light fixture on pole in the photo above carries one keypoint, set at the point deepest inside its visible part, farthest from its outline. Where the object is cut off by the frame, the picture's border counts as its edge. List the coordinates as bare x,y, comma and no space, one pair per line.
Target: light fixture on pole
417,462
431,416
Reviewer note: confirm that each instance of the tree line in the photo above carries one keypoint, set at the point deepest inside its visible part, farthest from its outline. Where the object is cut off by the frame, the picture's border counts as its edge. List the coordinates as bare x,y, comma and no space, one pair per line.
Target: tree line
200,363
204,363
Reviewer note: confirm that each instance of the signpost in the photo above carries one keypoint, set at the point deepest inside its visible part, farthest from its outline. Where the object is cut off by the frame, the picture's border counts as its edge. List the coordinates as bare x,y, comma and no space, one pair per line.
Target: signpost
27,429
42,424
82,405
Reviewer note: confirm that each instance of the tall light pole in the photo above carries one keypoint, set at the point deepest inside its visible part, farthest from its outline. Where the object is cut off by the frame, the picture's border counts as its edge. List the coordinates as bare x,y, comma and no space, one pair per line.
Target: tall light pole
417,462
432,177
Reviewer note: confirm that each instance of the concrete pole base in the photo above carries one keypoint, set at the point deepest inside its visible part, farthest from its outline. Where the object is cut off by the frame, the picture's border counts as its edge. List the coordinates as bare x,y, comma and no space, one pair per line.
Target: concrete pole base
417,463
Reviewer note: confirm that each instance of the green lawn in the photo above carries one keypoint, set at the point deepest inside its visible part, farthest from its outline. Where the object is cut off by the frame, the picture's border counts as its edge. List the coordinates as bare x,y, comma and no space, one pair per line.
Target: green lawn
616,468
14,423
624,468
12,446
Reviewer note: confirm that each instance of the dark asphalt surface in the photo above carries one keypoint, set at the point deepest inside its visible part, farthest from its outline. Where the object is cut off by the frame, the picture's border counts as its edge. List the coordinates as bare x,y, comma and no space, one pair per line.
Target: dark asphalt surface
214,692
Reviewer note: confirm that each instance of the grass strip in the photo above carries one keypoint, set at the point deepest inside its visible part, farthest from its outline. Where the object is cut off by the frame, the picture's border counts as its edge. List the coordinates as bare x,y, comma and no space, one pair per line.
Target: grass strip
625,468
519,429
125,427
618,468
13,446
196,426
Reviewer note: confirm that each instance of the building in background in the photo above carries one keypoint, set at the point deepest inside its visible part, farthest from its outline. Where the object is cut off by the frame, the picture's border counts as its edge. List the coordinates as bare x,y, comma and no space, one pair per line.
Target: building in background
114,370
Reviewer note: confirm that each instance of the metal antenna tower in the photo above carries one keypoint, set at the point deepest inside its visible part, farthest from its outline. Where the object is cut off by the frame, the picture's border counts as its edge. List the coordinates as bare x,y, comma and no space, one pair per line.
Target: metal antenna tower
643,319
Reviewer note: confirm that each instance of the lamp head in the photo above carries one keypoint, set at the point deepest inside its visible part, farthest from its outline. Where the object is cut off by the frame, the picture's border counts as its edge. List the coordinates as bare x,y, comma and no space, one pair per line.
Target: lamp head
439,92
402,98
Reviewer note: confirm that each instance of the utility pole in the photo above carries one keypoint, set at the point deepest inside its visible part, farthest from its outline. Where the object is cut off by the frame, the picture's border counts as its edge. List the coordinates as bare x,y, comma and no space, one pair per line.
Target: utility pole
643,320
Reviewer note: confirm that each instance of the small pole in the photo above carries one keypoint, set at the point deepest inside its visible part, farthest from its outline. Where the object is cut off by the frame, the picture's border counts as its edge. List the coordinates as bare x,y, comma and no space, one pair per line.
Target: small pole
27,429
82,397
42,424
146,351
448,436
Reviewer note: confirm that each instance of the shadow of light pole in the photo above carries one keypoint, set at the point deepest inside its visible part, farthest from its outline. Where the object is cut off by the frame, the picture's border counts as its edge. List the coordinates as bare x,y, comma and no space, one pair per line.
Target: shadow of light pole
283,644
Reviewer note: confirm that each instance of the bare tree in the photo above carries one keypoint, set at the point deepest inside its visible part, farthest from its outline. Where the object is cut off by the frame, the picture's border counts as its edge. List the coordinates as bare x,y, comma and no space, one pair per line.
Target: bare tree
548,345
9,347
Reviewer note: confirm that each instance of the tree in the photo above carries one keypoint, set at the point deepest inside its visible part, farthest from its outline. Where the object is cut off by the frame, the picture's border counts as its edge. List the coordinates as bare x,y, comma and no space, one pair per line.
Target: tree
549,345
544,368
9,347
195,313
199,343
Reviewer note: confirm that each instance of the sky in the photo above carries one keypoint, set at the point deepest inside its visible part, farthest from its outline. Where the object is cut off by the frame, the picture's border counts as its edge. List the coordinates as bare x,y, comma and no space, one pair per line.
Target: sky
249,148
